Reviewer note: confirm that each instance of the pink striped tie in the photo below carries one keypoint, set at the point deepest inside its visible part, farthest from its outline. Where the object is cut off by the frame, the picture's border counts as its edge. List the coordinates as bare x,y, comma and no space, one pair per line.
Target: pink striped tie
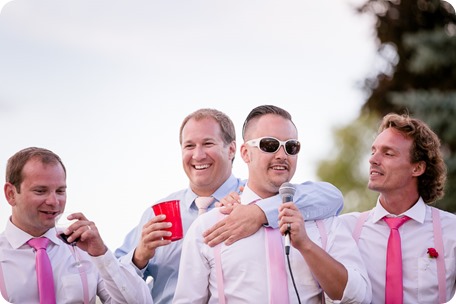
277,274
202,202
394,288
43,270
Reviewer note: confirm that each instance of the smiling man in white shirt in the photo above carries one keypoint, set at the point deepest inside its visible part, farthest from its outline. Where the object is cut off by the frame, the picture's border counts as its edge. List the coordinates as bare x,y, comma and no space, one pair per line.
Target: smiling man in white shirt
408,171
35,188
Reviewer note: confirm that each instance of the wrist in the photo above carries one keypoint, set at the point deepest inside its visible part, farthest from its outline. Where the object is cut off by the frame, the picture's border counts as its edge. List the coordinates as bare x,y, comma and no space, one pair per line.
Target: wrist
139,261
259,216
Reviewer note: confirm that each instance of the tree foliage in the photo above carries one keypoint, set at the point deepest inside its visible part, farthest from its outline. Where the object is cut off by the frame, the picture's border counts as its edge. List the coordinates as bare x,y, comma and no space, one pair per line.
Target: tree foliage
349,169
416,45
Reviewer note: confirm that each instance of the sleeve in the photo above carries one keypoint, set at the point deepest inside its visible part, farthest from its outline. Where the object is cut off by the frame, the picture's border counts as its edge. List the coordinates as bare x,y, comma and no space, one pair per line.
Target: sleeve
125,252
315,200
194,270
118,283
342,247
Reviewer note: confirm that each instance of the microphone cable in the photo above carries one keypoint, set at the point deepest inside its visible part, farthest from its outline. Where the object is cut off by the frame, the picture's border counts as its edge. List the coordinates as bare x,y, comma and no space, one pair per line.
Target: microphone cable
291,274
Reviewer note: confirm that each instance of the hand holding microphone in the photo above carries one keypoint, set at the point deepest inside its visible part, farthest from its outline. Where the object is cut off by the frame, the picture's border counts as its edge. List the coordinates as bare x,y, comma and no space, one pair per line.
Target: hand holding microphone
287,191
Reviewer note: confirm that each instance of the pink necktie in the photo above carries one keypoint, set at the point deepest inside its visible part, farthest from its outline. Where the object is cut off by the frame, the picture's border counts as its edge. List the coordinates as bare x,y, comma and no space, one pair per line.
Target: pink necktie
202,202
277,274
43,270
394,288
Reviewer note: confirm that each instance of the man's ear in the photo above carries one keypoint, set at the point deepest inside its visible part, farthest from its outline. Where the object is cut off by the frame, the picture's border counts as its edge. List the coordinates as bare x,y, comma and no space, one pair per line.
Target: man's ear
419,168
10,193
232,150
245,154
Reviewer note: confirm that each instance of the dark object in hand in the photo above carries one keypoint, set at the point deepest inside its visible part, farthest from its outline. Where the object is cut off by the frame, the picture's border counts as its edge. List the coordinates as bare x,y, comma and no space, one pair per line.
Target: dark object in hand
65,237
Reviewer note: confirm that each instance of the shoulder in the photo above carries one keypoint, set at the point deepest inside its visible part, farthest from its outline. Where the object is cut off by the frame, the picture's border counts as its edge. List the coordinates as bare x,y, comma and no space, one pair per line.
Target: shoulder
202,223
351,218
448,219
319,188
315,184
208,219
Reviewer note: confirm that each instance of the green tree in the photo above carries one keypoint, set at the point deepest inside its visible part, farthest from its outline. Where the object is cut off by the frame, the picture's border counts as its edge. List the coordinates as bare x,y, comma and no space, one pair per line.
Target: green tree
417,47
349,169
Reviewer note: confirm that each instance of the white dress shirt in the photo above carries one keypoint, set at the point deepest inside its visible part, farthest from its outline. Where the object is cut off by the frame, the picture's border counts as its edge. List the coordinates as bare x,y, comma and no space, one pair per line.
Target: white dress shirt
244,265
419,270
316,200
109,280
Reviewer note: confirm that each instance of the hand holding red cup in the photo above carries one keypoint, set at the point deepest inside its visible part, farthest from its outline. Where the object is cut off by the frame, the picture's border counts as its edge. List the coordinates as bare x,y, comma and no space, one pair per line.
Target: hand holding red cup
172,211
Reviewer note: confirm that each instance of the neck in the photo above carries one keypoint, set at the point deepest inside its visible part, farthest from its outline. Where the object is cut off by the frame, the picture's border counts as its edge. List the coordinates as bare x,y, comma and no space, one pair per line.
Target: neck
398,204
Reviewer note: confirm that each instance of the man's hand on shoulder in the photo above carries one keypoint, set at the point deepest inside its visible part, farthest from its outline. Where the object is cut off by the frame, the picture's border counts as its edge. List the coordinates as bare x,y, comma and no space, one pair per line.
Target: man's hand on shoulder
242,221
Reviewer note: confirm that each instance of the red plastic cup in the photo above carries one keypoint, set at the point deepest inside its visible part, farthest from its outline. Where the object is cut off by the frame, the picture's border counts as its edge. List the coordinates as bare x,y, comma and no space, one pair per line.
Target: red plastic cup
172,211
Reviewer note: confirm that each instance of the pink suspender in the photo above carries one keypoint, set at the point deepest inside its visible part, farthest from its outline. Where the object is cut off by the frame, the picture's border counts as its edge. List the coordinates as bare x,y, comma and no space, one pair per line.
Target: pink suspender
218,262
438,243
2,284
85,284
324,240
324,236
359,225
219,271
219,274
82,273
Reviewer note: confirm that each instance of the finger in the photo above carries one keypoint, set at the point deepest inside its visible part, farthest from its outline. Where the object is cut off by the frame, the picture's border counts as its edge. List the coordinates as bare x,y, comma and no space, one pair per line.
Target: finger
156,231
215,229
230,199
217,239
231,240
226,209
158,218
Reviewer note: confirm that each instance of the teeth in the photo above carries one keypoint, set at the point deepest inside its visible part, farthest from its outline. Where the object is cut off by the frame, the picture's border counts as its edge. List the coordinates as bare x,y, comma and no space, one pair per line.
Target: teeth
278,168
200,167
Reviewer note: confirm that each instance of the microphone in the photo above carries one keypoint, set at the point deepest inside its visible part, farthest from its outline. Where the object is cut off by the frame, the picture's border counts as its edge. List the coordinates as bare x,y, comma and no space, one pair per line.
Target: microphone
287,191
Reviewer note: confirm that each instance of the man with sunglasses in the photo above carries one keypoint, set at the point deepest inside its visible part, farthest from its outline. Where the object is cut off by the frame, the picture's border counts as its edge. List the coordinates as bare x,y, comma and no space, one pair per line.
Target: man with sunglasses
208,144
252,269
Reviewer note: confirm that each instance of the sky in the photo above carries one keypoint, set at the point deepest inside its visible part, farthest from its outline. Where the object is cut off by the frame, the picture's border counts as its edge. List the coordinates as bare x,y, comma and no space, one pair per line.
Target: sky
106,84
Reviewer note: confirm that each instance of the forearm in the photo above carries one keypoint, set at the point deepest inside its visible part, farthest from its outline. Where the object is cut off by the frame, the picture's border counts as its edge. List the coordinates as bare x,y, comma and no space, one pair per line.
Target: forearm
121,283
332,277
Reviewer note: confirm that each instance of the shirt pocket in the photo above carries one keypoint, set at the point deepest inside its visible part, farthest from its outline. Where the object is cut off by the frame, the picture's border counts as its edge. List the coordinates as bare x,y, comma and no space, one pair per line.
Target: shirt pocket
428,284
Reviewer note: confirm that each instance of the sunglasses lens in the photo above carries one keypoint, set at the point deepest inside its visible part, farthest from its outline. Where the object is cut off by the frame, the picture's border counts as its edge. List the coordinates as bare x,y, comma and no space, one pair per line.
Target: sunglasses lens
292,147
269,145
272,145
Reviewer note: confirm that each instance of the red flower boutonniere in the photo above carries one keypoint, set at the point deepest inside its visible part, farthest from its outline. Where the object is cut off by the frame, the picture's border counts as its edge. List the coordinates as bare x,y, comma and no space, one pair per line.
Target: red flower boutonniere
432,253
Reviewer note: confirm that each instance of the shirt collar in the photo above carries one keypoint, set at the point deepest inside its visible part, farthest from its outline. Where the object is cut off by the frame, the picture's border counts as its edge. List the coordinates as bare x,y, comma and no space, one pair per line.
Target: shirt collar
417,212
231,183
248,196
17,237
